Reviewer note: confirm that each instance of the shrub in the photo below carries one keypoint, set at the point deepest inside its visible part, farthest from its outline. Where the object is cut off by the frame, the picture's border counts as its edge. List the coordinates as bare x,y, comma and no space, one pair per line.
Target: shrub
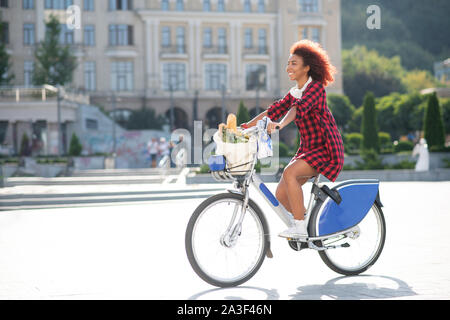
403,146
371,160
75,146
25,149
353,140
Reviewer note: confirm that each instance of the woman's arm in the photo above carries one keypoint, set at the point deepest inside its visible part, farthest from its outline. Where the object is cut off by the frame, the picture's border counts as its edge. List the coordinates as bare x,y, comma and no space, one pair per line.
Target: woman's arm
253,122
288,118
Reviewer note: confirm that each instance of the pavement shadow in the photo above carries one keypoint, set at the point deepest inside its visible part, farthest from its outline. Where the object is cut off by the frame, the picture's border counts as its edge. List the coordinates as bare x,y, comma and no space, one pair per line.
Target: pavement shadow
356,288
237,293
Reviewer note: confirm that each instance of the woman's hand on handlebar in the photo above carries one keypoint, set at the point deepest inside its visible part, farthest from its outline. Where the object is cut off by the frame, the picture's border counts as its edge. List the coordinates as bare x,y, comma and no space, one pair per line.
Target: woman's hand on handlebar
272,126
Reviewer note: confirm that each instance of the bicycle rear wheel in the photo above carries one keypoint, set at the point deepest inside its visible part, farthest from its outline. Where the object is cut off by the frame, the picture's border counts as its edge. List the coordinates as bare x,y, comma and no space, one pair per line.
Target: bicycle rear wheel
364,246
219,252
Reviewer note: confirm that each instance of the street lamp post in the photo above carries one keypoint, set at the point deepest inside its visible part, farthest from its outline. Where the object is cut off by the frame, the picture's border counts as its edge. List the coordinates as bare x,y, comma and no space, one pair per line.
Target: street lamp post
58,99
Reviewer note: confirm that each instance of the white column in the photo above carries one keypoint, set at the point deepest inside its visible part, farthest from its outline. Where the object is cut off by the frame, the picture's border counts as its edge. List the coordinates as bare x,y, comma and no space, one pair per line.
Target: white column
192,52
240,72
148,54
155,83
272,71
40,20
198,47
79,32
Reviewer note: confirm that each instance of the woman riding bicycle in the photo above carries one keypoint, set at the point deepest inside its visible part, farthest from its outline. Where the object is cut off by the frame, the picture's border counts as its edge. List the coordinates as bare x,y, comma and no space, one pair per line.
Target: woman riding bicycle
321,148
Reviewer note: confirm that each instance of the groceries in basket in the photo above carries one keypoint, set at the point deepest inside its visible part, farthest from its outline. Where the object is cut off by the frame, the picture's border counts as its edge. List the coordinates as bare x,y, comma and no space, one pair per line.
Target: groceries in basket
237,147
230,133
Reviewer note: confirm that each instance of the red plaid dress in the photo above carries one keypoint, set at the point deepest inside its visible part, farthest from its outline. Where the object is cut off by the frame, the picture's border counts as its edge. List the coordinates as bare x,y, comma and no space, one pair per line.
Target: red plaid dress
321,143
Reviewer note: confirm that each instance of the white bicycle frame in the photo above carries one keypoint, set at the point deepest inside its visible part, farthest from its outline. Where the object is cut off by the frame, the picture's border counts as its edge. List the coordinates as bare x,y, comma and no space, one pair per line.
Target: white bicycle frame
285,216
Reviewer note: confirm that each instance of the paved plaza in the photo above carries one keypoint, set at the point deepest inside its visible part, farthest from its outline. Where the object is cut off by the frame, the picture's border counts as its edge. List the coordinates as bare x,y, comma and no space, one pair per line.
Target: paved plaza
133,247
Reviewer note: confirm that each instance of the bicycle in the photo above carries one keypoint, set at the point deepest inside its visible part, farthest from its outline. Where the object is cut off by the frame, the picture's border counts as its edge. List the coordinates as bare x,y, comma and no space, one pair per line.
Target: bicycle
228,237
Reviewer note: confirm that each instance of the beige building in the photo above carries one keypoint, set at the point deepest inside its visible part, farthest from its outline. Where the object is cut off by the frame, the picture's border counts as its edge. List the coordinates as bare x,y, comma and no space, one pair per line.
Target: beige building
163,53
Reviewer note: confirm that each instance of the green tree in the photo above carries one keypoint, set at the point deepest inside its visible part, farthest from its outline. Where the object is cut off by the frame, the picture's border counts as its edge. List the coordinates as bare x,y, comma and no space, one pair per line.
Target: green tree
75,147
433,124
55,63
5,64
25,148
369,128
242,114
365,70
342,110
144,119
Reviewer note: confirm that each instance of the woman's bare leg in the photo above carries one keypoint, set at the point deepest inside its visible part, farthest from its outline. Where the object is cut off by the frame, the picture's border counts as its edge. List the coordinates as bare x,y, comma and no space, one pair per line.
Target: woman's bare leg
281,192
297,169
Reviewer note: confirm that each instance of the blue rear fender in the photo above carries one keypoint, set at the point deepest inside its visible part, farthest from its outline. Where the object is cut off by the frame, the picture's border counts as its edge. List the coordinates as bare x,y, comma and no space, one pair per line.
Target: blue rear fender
358,197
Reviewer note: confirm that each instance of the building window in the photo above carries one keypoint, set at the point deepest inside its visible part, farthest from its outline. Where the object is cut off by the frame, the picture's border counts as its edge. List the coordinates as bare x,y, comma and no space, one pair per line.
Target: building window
174,76
122,76
120,35
181,47
305,33
91,124
28,68
4,3
165,5
256,77
165,38
58,4
221,5
309,5
248,38
4,36
28,34
247,6
261,6
222,40
88,5
89,35
262,41
89,76
28,4
207,5
180,5
315,34
120,5
207,38
66,35
215,76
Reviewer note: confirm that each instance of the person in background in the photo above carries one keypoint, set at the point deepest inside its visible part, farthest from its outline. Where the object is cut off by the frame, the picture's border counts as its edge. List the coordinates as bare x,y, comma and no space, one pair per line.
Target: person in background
421,149
152,148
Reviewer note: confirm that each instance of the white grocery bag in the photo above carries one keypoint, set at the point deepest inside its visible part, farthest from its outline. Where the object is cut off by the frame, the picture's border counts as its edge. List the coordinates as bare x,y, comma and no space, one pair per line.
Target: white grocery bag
239,156
264,140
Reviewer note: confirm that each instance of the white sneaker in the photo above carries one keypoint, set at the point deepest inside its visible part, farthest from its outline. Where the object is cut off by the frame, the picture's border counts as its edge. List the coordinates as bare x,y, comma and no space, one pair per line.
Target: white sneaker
296,231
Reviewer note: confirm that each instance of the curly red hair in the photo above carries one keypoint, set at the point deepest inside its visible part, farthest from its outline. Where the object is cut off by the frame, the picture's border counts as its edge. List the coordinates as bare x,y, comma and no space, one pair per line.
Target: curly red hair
314,56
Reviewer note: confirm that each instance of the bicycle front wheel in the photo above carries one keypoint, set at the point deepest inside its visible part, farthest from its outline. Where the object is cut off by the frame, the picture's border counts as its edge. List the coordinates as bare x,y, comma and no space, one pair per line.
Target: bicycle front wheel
222,252
363,245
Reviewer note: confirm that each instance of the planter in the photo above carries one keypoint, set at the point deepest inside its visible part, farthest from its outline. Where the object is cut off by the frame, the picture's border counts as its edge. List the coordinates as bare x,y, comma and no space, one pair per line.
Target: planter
8,169
50,170
88,163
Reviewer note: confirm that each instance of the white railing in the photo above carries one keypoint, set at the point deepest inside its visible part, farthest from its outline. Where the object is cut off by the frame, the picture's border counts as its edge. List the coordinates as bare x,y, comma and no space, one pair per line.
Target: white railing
39,93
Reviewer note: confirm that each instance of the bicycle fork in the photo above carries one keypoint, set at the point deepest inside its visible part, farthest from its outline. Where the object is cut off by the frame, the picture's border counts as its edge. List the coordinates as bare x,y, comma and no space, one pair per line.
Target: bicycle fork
233,231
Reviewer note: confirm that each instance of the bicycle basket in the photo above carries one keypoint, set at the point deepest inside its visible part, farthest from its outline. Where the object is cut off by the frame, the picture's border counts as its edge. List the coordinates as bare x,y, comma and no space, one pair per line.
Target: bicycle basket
239,156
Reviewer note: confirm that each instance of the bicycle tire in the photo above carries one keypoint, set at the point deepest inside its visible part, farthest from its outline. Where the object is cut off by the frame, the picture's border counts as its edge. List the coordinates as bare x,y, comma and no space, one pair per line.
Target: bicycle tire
323,254
189,245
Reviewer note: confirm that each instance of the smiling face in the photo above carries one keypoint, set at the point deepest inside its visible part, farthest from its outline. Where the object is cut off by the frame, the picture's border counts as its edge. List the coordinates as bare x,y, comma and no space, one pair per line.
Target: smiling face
295,68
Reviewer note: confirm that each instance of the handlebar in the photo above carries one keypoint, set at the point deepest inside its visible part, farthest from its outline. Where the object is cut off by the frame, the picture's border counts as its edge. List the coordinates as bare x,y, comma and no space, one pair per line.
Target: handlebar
261,125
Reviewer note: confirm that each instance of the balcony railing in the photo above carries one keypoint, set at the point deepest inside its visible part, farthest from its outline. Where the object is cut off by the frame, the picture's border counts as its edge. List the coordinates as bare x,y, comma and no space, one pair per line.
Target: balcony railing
215,50
259,50
39,93
174,49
